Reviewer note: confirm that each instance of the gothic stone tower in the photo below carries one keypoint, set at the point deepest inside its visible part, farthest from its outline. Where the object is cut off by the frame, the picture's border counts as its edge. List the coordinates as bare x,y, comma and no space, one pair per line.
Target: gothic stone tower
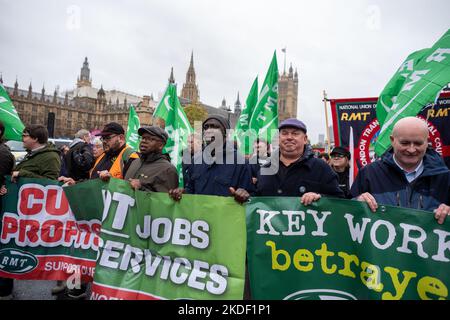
190,89
287,95
84,80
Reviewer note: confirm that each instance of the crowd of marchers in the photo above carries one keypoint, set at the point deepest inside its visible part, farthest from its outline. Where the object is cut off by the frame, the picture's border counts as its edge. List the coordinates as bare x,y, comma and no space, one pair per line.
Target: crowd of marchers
411,174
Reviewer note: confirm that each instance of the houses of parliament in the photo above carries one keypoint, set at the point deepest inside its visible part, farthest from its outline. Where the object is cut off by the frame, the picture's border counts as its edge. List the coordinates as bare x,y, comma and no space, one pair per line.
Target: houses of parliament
91,108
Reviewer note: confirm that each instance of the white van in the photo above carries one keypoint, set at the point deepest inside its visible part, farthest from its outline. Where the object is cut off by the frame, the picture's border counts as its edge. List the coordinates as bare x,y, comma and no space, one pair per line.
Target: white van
60,142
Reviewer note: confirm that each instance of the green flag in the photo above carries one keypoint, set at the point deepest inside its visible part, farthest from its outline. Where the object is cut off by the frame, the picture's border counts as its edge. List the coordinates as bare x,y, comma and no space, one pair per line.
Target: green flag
10,117
177,126
242,125
265,116
389,94
422,87
132,137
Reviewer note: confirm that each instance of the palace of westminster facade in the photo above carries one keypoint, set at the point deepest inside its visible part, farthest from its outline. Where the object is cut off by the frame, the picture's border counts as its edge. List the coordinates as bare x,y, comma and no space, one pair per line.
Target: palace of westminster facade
86,107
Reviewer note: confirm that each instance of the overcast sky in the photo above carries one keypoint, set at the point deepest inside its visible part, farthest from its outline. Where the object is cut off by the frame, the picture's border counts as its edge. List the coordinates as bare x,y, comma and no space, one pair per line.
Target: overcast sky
349,48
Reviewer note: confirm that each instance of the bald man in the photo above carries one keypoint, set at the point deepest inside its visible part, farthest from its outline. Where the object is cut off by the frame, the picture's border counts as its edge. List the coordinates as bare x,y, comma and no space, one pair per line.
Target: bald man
411,175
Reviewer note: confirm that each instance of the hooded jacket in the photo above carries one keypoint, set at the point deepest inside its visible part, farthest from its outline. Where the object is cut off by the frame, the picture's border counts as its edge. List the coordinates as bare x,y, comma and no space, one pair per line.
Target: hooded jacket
43,163
155,172
213,177
79,160
307,174
387,183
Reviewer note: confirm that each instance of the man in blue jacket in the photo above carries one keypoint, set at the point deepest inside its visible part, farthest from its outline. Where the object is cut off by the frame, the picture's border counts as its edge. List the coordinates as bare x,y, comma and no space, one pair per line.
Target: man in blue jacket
219,170
411,175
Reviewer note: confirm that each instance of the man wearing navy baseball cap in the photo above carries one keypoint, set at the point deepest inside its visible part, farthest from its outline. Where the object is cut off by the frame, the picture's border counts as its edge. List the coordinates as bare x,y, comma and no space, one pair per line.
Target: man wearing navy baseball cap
299,172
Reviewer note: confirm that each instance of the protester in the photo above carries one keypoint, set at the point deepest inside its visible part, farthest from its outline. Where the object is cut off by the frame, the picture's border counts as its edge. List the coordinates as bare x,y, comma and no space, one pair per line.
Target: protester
97,147
410,175
218,170
117,156
194,145
79,159
299,174
42,160
325,157
6,166
340,163
153,170
261,155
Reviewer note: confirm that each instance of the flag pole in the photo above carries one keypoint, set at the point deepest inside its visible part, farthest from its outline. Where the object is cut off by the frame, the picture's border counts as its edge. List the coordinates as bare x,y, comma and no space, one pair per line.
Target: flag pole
326,121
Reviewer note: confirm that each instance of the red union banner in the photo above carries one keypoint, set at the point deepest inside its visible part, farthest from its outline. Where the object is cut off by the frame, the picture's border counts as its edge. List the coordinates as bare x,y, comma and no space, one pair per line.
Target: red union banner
360,115
40,238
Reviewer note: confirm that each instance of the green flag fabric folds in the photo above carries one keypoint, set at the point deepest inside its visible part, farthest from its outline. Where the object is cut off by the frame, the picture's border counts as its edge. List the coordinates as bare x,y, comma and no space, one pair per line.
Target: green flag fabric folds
264,119
242,133
132,137
389,94
177,126
10,117
424,83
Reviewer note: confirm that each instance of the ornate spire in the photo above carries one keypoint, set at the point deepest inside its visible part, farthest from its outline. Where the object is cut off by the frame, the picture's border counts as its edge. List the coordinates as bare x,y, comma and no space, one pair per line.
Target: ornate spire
55,93
84,79
43,92
296,74
171,78
224,104
16,88
66,99
1,78
190,89
30,90
237,105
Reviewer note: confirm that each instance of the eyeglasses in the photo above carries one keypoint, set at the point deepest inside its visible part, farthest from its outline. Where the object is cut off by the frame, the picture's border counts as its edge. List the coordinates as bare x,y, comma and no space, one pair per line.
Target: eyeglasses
107,138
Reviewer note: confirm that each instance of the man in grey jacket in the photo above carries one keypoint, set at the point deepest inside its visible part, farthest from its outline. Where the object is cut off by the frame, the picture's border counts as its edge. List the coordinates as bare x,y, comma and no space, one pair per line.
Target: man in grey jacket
153,170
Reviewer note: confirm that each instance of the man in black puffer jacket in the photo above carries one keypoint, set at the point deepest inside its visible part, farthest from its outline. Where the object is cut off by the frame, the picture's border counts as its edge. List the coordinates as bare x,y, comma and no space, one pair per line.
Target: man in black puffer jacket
79,159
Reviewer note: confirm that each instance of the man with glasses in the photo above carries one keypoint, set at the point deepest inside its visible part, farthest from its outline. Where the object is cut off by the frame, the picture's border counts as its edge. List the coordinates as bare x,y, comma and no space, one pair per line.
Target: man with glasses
340,163
153,170
117,156
42,161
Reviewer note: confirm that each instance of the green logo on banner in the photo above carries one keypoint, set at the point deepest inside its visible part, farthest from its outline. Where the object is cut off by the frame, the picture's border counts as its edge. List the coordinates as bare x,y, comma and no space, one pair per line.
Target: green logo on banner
17,261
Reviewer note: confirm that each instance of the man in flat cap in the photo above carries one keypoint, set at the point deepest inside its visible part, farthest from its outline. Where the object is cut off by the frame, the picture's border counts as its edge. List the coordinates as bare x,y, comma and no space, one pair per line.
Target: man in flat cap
153,170
219,170
340,163
117,156
299,173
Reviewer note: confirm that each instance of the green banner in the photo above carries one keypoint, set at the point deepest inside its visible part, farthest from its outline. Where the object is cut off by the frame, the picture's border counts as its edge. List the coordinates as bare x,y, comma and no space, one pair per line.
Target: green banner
41,238
155,248
338,249
10,117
